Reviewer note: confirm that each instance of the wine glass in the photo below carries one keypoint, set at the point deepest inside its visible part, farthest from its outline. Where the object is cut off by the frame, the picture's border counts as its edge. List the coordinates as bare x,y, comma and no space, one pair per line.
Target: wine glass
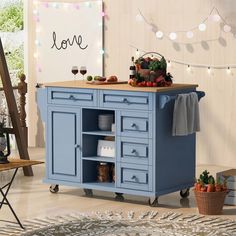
83,71
74,71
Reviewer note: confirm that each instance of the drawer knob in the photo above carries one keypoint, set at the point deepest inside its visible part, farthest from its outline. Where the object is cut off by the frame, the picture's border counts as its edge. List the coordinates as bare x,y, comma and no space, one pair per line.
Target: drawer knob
77,146
72,97
125,100
134,178
133,125
133,151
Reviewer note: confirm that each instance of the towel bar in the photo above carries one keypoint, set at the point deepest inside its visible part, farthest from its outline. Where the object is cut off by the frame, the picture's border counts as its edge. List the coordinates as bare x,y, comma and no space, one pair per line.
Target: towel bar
166,98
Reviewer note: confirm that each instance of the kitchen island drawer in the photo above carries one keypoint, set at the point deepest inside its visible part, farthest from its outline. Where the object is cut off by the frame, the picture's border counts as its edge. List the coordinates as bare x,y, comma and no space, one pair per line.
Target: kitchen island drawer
138,177
79,97
134,150
134,124
126,100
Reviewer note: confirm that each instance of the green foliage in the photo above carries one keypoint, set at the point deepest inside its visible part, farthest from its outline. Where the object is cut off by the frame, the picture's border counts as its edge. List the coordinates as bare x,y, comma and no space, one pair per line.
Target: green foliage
11,18
158,65
15,60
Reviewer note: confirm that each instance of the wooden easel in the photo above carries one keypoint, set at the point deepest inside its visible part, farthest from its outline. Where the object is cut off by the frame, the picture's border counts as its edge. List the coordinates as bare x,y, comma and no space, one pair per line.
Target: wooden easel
12,107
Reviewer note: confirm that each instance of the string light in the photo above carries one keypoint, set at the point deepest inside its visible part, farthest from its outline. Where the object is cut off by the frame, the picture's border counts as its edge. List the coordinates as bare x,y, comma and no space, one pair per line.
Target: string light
188,68
189,34
103,14
189,65
139,17
228,70
202,27
214,15
36,55
227,28
159,34
173,36
209,69
216,18
169,63
102,51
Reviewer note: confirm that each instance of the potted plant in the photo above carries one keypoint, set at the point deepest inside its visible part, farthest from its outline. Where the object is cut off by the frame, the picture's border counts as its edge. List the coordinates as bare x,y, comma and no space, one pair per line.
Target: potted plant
210,194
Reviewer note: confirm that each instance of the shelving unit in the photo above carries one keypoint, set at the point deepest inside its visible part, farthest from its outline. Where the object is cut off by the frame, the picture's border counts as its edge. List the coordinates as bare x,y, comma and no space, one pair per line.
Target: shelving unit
91,134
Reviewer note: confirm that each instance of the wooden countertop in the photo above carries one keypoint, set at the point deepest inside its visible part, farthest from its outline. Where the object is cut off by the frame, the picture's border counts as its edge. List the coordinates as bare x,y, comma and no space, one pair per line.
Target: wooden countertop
125,87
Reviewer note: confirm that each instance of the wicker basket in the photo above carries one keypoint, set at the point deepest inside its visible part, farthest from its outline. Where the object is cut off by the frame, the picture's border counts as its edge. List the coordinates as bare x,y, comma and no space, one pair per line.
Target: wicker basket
210,203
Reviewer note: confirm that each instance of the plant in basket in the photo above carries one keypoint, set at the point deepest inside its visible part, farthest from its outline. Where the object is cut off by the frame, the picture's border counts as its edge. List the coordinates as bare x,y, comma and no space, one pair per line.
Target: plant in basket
210,194
151,72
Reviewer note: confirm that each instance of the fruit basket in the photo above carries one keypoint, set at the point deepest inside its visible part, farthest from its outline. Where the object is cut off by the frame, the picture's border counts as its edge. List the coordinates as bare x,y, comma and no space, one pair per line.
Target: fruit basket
151,71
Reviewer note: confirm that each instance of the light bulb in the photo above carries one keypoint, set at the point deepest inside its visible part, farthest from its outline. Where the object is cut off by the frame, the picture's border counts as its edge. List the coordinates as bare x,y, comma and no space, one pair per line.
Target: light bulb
103,14
189,34
209,70
46,4
159,34
76,6
216,18
168,63
35,12
36,55
202,27
55,5
88,4
38,30
139,17
35,2
227,28
37,43
188,68
173,36
66,5
228,70
137,53
102,51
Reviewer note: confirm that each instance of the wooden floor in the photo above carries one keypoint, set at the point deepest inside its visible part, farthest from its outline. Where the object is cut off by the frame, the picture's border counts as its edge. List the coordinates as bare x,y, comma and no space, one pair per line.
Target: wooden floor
31,198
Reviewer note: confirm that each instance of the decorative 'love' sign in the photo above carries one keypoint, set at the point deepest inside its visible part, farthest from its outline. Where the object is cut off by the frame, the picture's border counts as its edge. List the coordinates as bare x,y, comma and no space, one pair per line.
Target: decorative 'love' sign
68,36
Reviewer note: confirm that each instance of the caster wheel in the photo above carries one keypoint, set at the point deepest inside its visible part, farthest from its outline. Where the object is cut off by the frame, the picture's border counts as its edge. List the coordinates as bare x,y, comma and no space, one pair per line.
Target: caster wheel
153,202
184,193
88,192
54,188
119,197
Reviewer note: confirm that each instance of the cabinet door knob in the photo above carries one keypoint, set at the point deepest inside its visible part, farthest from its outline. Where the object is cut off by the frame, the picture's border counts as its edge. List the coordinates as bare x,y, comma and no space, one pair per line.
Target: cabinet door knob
77,146
133,125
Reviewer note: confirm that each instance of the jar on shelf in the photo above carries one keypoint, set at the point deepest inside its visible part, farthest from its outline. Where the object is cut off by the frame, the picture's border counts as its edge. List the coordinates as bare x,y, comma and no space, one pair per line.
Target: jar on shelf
113,176
103,172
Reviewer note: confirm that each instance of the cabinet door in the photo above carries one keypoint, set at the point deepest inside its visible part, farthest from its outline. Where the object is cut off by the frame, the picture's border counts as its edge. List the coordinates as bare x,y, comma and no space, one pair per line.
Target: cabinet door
63,140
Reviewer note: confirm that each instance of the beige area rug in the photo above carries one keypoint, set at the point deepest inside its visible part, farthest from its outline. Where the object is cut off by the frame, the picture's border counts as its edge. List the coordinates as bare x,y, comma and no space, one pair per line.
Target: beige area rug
129,224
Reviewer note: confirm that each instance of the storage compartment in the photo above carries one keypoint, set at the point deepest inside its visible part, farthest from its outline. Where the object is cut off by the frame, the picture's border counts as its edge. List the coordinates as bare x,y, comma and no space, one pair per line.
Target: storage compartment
125,100
133,176
99,173
72,96
134,124
134,150
98,120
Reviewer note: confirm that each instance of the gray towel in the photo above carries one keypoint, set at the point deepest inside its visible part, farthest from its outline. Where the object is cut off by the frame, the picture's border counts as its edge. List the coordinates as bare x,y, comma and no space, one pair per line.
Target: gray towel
186,118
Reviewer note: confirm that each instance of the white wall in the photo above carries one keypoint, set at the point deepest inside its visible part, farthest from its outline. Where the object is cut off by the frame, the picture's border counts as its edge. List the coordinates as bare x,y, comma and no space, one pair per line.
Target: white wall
216,143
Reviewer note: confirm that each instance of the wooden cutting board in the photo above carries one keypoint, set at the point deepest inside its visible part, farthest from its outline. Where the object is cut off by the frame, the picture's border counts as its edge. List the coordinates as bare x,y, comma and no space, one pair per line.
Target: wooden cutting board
95,82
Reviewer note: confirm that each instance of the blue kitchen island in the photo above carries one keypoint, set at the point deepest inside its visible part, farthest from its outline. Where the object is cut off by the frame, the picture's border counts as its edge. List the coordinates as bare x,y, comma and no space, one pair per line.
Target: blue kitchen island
148,160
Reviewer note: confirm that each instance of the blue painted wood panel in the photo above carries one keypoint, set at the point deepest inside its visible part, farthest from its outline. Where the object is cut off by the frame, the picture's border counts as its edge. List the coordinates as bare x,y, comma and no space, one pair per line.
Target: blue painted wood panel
133,176
73,97
125,100
134,150
64,143
134,124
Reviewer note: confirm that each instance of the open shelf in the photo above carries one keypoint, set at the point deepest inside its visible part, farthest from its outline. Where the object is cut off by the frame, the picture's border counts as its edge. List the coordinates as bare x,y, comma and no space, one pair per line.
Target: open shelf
103,184
100,133
100,159
91,177
90,121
